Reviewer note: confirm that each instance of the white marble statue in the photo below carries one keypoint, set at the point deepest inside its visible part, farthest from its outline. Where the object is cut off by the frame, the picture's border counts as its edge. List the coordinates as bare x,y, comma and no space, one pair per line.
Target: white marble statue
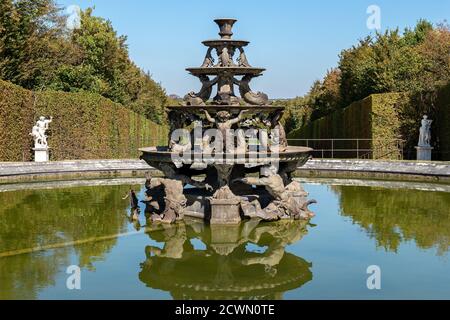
425,132
38,132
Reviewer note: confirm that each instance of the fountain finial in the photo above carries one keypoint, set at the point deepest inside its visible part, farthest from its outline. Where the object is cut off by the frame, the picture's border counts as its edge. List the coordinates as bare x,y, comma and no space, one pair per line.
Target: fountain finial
225,26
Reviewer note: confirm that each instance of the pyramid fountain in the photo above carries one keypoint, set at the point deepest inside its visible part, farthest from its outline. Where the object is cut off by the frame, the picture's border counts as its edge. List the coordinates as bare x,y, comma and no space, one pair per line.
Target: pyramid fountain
227,157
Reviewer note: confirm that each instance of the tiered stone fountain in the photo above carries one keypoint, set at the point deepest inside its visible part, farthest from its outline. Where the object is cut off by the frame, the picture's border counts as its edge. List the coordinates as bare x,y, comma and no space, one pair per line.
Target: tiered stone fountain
227,158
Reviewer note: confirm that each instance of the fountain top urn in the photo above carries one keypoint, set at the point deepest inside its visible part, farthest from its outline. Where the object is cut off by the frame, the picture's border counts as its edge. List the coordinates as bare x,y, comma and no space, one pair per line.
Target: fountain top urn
225,26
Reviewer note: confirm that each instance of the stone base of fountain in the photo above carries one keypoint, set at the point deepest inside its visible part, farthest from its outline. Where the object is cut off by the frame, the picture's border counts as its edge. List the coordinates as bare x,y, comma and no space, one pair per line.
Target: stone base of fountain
225,211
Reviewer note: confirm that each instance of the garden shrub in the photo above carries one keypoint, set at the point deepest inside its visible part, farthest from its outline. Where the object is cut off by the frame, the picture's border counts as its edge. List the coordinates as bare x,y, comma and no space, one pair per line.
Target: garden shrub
85,125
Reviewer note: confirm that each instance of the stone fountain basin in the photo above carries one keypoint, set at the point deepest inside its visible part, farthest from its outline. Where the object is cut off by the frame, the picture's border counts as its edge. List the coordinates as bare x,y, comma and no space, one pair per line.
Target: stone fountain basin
294,154
237,71
226,42
212,109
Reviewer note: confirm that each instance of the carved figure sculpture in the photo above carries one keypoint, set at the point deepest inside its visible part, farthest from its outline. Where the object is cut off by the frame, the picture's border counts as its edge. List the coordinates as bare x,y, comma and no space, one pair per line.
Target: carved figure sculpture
278,134
209,60
191,99
175,201
199,99
224,58
223,123
225,93
38,132
283,205
425,132
206,89
258,98
37,137
242,60
134,204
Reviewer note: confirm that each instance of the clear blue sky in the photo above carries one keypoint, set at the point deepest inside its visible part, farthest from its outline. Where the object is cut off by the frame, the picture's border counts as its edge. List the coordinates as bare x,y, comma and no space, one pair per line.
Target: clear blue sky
296,41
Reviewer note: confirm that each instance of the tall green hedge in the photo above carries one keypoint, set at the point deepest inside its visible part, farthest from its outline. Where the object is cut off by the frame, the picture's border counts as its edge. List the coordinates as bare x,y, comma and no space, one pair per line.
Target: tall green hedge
374,118
442,122
85,125
383,118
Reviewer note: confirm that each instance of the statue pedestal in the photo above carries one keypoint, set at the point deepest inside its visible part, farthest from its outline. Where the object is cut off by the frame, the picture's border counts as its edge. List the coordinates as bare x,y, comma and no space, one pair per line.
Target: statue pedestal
423,152
225,211
41,154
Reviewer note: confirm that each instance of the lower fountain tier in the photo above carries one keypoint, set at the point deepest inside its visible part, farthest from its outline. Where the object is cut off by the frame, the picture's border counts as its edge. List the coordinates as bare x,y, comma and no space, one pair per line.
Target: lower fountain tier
292,154
199,203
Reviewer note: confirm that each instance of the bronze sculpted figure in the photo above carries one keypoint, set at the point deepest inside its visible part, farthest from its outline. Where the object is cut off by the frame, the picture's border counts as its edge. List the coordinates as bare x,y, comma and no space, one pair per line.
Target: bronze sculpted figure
174,199
206,89
278,134
258,98
199,99
284,204
191,99
224,123
225,58
242,60
209,60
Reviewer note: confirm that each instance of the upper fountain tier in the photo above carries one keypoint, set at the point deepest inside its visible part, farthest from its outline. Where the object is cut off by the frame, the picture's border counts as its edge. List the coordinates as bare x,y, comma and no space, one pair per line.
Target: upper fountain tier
225,33
223,69
225,49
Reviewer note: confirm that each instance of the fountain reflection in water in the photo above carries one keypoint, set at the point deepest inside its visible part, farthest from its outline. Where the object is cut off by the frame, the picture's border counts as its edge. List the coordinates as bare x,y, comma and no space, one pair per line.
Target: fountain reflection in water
400,226
226,268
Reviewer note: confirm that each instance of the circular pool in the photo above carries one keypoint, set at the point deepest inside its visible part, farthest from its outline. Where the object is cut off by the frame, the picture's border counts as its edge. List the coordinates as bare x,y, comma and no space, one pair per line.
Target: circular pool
401,229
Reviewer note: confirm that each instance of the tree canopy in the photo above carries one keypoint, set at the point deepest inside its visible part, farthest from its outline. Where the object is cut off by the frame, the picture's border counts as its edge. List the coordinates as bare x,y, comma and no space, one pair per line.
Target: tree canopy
416,60
38,51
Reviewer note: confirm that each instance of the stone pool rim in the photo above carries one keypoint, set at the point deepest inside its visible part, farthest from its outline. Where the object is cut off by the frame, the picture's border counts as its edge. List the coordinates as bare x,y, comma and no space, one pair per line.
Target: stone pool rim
429,171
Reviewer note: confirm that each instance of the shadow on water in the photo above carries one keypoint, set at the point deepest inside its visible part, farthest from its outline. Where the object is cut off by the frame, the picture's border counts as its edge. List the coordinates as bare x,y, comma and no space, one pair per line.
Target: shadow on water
225,268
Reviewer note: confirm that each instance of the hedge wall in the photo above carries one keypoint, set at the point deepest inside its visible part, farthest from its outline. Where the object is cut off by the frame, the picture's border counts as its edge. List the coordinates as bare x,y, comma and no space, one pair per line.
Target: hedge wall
374,117
442,123
85,125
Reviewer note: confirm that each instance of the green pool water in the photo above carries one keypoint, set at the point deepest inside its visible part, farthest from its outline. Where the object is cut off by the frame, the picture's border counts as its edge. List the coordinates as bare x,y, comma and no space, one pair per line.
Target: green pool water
406,233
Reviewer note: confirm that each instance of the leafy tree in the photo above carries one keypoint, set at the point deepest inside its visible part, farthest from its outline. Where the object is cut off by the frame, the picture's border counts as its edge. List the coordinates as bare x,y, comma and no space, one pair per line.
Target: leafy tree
415,61
38,52
325,96
32,41
435,50
357,67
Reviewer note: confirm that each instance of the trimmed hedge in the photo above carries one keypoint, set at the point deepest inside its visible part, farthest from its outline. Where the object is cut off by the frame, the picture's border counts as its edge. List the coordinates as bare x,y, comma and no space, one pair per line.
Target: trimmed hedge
85,125
374,117
441,126
382,118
